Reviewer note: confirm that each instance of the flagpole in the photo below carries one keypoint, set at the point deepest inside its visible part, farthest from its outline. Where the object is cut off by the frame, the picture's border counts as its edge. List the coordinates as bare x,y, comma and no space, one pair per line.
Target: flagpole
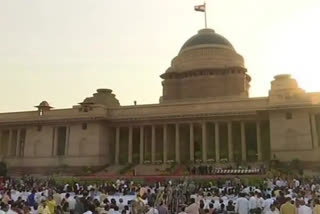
205,14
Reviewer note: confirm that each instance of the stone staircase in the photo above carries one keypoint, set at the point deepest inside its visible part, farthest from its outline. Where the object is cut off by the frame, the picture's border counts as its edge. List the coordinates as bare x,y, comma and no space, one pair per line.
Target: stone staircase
44,171
110,170
152,169
180,170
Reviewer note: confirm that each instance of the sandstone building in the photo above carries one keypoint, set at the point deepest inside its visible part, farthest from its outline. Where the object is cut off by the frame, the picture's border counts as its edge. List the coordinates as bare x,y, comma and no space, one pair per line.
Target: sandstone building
205,113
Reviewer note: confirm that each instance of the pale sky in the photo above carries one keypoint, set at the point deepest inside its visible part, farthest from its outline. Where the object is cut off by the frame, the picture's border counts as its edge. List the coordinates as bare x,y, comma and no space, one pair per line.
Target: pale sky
63,50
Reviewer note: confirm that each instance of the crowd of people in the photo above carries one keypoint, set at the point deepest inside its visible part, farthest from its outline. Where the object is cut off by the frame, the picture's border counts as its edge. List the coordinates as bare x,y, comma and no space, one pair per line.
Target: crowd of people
30,195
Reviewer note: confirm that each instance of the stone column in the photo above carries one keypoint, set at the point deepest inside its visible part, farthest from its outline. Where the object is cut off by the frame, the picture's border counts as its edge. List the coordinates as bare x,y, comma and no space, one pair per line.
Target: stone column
204,142
191,143
153,144
217,141
130,145
315,136
9,144
66,148
243,141
177,143
141,143
18,145
230,144
55,148
117,147
165,139
259,141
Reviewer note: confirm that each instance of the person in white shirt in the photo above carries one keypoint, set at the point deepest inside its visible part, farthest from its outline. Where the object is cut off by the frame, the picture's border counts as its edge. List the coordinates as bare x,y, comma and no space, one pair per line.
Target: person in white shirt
152,210
267,203
4,208
90,210
193,208
242,204
65,188
11,209
121,204
115,211
272,210
260,202
303,208
182,211
252,203
71,201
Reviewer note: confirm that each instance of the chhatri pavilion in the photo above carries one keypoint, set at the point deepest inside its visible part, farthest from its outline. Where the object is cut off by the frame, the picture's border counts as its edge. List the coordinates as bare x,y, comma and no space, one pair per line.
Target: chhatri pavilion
205,114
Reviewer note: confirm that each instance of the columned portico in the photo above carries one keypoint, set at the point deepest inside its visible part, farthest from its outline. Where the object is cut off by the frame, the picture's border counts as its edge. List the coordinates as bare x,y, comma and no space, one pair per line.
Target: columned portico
191,143
117,147
243,142
230,143
130,144
141,144
217,141
204,142
259,141
221,140
165,143
177,143
9,143
153,144
18,143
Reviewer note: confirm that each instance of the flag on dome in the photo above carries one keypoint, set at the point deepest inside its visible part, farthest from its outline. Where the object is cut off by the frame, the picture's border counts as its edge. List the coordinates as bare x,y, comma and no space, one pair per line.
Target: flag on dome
201,8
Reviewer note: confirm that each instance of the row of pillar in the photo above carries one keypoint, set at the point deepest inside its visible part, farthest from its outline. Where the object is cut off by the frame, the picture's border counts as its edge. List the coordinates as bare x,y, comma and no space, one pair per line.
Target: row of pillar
10,142
191,143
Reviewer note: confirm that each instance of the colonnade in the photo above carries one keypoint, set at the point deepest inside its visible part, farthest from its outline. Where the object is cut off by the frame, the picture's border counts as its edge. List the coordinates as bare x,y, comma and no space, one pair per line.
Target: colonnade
191,149
11,141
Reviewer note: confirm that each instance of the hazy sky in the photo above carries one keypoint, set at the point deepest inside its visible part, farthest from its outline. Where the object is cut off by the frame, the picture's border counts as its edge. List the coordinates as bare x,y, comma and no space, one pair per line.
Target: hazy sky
63,50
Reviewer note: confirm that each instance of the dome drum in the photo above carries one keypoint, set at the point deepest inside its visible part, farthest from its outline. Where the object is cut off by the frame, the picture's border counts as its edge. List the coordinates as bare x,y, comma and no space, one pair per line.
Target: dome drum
205,72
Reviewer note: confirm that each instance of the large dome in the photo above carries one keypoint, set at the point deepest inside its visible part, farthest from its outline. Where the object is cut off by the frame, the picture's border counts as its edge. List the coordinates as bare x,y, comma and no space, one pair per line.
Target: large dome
206,67
206,37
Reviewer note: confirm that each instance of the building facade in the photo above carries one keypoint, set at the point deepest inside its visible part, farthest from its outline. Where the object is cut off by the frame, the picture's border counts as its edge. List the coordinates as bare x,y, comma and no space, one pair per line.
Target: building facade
205,114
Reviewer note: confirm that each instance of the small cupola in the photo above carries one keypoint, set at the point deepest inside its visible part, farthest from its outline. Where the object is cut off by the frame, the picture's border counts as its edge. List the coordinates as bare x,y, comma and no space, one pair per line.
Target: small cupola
86,105
43,107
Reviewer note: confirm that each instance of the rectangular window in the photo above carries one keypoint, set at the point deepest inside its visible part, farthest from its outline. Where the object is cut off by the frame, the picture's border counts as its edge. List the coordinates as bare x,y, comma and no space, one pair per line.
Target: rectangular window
288,115
61,140
84,126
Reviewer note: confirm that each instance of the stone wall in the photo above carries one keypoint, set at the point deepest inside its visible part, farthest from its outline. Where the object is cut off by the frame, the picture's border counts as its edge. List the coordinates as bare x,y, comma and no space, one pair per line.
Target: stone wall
39,141
87,144
291,136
